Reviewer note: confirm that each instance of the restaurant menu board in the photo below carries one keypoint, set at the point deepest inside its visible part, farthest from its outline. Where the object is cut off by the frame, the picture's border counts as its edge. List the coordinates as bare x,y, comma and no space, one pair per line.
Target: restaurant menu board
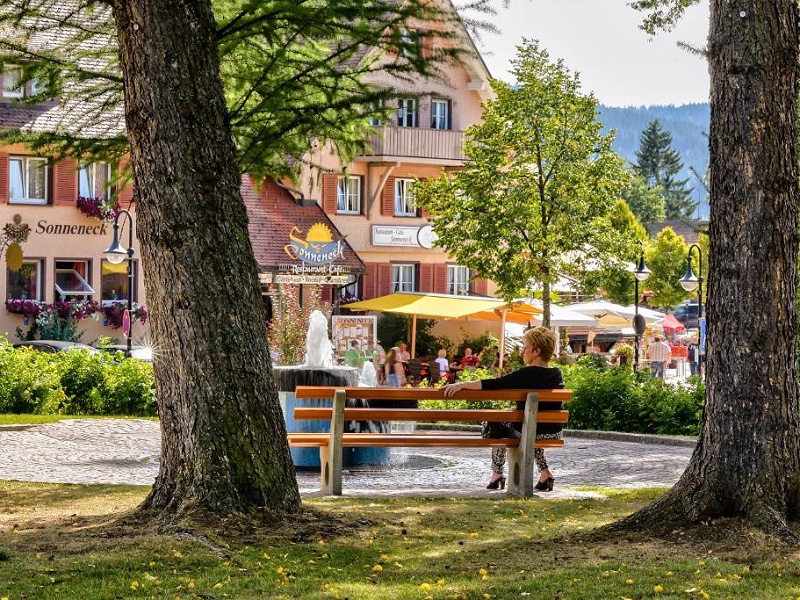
348,327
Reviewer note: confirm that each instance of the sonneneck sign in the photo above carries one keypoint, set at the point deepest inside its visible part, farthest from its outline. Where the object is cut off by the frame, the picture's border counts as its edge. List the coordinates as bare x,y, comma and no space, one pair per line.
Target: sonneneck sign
43,227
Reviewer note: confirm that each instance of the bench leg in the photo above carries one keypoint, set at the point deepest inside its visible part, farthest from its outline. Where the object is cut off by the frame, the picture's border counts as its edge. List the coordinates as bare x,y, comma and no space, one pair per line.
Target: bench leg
330,456
521,478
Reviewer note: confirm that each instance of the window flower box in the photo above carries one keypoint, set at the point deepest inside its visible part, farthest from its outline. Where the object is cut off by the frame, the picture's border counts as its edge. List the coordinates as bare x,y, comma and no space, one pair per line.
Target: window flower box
98,208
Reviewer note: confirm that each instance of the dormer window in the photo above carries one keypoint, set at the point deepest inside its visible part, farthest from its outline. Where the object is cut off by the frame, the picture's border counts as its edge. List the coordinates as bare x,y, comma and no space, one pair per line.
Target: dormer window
12,75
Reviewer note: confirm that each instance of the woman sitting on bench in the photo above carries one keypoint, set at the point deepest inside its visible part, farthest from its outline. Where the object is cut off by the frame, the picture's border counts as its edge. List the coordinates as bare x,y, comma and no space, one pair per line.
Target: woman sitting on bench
536,375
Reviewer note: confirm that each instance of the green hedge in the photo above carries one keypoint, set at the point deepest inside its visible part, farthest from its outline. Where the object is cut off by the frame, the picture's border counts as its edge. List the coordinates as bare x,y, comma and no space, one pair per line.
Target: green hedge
617,399
74,383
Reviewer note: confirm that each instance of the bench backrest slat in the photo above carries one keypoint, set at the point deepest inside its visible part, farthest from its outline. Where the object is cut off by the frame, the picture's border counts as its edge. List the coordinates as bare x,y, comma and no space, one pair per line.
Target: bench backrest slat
404,414
387,393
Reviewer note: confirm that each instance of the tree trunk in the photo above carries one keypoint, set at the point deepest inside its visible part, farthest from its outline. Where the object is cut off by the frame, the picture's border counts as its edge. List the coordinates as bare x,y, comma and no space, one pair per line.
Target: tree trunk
747,461
224,448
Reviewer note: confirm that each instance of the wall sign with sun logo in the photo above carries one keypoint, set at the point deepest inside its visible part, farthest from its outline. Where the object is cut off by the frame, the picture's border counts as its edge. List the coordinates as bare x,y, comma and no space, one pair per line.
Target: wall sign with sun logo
319,247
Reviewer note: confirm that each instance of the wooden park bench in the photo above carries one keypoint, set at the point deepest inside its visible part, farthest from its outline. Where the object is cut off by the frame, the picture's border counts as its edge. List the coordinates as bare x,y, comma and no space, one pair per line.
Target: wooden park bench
520,458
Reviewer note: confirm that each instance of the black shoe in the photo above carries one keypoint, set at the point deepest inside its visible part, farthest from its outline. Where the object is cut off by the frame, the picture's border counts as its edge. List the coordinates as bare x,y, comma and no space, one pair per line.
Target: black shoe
546,485
497,483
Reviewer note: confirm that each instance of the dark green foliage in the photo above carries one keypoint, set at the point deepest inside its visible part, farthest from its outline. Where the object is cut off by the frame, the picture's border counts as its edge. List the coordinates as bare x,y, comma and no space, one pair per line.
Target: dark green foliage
392,328
689,126
617,399
74,383
659,164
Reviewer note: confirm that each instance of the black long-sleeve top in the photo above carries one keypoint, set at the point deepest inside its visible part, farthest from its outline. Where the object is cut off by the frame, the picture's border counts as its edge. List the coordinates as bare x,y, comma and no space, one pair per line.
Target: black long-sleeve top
531,378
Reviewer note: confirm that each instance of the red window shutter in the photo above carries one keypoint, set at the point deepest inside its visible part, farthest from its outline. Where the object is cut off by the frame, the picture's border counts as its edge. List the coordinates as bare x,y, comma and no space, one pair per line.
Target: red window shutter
387,203
125,196
480,287
330,191
426,278
368,280
440,279
426,44
65,182
3,178
384,283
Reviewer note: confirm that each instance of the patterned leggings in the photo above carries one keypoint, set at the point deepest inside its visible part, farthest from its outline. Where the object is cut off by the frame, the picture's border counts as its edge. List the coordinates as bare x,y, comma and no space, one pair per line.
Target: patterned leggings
499,454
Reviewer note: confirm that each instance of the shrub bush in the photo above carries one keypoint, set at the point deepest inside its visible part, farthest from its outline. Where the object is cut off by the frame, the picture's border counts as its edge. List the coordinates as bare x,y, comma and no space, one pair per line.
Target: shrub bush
74,383
617,399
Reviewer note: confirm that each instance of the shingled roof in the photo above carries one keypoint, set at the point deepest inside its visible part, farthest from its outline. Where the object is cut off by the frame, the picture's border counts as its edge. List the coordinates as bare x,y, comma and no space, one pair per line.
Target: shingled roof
689,230
273,211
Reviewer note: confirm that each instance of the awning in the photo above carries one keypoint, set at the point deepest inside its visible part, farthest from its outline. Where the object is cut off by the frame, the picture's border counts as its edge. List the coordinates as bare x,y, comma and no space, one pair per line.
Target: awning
445,306
428,306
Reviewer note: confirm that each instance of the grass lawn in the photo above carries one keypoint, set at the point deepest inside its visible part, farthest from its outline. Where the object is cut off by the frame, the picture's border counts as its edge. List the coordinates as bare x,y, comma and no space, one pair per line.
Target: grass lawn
72,541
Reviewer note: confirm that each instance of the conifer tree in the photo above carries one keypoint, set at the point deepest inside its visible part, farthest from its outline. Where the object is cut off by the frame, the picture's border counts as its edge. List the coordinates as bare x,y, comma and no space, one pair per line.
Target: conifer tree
659,164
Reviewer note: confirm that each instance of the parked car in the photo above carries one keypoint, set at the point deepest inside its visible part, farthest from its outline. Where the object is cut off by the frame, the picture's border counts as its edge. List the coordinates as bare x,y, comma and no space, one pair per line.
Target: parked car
53,346
688,313
139,352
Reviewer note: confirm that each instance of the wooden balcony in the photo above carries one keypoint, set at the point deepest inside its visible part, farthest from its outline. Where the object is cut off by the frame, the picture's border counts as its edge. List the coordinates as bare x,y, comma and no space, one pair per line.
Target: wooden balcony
418,144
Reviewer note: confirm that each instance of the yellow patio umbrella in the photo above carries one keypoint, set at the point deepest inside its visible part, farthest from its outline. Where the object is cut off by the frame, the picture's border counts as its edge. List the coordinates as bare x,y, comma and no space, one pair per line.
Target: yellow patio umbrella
427,306
446,306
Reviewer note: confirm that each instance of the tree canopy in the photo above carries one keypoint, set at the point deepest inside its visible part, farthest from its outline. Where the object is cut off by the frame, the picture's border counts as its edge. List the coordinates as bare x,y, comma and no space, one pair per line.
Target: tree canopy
542,178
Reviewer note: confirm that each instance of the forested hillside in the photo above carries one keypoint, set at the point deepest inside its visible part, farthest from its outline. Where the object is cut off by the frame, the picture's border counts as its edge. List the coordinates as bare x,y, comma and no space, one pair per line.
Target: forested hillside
688,125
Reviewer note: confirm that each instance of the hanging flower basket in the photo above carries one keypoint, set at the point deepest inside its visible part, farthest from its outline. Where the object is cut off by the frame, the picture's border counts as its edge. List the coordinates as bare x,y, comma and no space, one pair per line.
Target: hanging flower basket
24,307
98,208
113,314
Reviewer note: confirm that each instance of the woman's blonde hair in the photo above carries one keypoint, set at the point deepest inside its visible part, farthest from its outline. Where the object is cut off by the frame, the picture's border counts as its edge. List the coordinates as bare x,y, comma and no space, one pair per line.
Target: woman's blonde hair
543,339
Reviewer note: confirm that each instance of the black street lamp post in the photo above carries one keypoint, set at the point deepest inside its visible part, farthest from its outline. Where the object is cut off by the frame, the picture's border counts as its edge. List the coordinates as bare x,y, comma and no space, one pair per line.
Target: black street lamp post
115,254
691,282
640,273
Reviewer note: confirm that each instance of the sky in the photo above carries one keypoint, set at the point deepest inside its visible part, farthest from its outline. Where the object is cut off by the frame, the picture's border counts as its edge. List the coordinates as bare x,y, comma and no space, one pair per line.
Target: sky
601,41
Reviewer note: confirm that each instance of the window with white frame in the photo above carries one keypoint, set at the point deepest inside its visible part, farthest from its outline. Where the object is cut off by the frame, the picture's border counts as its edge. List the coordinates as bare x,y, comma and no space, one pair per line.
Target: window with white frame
94,180
440,114
404,203
457,280
26,282
27,180
114,281
407,112
348,195
403,278
12,75
72,280
411,43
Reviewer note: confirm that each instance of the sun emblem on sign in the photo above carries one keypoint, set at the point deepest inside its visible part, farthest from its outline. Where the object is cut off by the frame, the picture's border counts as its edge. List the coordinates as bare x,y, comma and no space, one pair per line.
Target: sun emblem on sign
319,232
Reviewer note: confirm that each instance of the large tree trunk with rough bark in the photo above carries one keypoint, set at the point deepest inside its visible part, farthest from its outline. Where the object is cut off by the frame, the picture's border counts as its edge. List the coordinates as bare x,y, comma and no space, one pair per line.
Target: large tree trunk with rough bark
224,448
747,461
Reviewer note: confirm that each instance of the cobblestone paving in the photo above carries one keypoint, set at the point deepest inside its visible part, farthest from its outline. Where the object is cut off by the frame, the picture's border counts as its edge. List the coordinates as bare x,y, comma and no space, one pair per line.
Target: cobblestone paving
126,451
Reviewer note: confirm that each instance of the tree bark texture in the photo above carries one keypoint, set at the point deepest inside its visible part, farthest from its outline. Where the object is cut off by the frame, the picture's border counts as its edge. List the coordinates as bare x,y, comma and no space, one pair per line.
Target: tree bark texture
747,461
224,445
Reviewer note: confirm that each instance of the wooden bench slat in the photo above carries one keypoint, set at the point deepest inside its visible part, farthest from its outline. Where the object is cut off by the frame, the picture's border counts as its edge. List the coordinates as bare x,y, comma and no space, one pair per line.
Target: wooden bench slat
394,440
387,393
429,414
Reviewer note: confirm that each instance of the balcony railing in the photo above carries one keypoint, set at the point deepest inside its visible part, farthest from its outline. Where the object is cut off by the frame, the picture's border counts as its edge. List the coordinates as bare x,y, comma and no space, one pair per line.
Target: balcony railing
416,142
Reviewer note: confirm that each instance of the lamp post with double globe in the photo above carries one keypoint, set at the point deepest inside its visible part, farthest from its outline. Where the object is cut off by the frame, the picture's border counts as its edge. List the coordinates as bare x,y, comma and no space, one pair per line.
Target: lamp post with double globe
691,282
115,254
